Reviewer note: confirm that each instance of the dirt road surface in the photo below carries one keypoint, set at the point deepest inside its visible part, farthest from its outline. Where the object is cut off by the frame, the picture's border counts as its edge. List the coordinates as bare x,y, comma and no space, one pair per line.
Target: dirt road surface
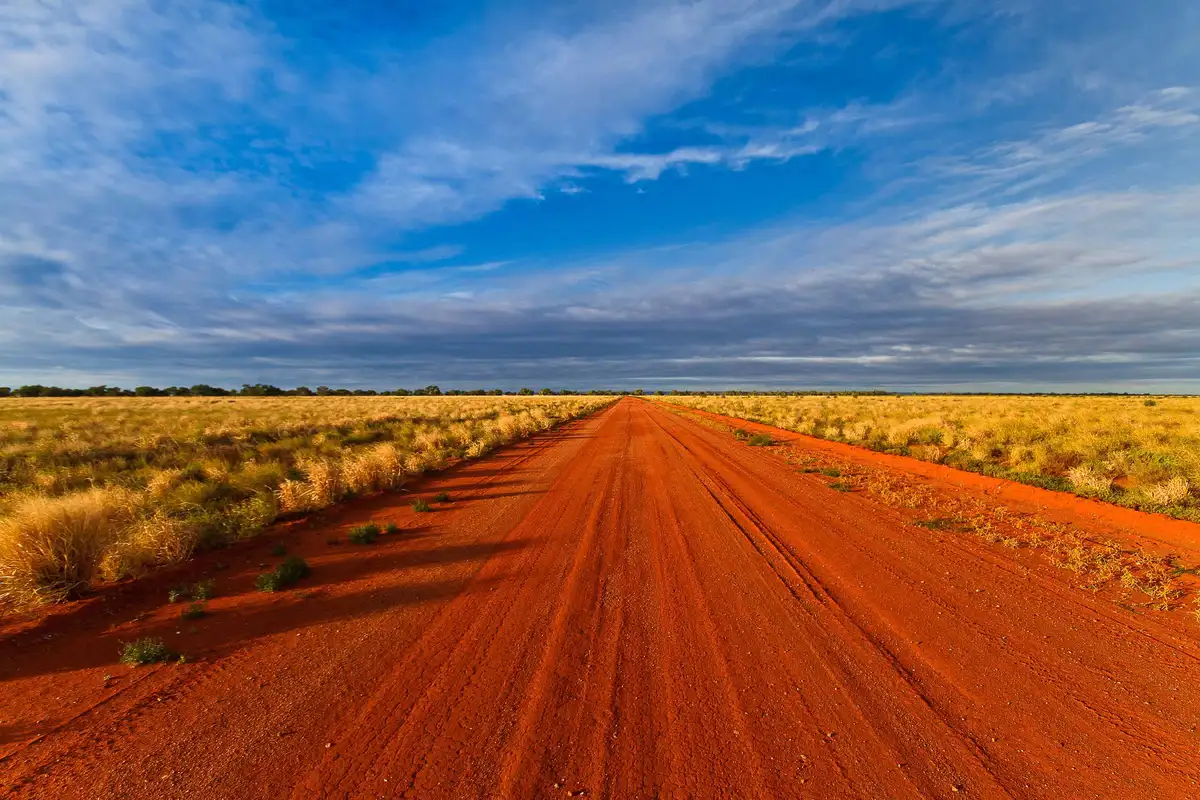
634,605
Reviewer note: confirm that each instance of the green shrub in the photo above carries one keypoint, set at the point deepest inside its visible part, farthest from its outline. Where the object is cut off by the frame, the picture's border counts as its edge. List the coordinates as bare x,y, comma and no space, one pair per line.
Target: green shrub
177,593
420,505
441,497
363,534
204,590
146,651
829,472
291,570
391,528
760,440
193,611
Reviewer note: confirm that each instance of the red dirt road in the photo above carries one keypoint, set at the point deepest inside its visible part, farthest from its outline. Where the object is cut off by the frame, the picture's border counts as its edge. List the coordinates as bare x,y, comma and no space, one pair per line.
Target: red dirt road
631,606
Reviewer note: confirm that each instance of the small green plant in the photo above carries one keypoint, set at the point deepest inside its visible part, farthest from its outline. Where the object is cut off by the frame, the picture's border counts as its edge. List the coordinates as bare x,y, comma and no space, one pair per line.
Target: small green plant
1150,403
363,534
193,611
760,440
177,593
291,570
279,550
936,524
741,434
839,486
829,472
204,590
391,529
420,505
146,651
441,497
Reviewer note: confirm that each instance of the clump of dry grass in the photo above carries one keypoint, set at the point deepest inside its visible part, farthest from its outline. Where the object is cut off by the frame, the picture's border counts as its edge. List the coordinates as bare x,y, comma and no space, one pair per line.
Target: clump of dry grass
1087,480
51,547
153,541
1169,492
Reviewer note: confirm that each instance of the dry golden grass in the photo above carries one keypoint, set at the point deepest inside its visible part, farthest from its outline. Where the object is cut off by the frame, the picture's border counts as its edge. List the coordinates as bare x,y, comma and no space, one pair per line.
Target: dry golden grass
1125,450
109,487
50,547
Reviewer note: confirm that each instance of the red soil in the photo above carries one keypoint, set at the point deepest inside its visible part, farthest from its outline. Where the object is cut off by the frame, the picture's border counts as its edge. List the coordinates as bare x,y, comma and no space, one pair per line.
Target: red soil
631,606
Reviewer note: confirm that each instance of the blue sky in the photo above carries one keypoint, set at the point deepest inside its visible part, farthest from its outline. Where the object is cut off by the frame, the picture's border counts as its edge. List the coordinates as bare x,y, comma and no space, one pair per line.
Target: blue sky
705,194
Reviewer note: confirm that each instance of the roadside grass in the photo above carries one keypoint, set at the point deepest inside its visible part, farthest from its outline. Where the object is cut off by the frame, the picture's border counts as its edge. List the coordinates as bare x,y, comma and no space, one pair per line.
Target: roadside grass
420,505
841,486
1099,564
1142,453
97,489
760,440
291,570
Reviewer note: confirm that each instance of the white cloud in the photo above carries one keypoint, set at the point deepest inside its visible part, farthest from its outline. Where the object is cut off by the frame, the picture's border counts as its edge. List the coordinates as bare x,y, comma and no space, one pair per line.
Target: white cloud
145,213
550,104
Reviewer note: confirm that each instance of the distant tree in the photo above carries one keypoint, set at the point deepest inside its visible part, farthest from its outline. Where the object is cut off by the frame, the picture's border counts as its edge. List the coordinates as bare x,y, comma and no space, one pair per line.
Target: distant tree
260,390
5,391
33,390
322,391
302,391
148,391
402,393
525,390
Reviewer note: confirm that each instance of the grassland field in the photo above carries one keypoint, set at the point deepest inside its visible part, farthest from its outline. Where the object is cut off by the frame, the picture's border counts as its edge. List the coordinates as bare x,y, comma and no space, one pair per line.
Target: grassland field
111,487
1139,452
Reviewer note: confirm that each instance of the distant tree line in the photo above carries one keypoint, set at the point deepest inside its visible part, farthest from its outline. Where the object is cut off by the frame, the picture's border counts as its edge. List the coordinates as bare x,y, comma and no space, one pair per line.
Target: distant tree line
267,390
